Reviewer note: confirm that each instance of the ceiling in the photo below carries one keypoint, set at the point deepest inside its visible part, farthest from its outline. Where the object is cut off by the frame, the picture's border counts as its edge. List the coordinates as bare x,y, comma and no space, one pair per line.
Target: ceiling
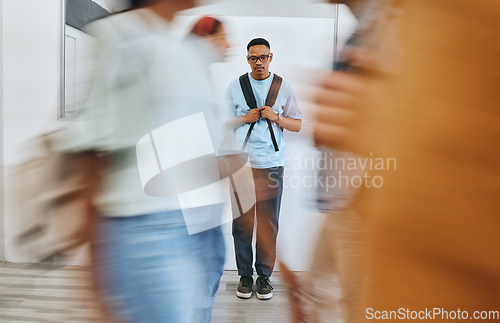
273,8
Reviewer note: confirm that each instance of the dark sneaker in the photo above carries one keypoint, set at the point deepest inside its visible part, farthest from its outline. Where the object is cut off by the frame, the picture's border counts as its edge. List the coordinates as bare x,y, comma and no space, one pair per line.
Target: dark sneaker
245,287
264,288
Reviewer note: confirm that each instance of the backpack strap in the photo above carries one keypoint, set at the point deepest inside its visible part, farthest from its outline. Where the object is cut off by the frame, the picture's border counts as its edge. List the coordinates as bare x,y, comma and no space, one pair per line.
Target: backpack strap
274,90
246,87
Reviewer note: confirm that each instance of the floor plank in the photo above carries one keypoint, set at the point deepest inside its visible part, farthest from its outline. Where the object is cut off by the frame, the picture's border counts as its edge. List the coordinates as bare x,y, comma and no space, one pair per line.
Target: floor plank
47,293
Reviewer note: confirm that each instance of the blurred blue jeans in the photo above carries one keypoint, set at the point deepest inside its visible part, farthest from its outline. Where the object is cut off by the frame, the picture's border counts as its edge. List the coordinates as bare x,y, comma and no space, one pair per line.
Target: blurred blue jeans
150,269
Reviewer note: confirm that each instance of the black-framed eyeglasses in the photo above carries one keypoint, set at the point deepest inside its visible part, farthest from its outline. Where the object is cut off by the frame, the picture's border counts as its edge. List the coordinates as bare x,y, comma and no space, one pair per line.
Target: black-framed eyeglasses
263,58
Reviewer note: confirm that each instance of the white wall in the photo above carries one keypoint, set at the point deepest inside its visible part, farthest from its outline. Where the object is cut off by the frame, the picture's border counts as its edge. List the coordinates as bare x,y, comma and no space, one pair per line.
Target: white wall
31,57
31,69
2,232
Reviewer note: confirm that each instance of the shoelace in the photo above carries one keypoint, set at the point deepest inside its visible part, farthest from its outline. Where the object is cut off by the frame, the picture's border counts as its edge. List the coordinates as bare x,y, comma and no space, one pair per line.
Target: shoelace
266,283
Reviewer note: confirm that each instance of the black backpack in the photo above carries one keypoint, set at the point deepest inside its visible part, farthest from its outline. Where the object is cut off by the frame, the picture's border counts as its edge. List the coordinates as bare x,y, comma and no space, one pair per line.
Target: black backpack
246,87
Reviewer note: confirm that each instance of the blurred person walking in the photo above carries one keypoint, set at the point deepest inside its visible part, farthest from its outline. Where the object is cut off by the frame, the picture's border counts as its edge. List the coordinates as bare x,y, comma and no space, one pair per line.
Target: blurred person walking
259,129
341,249
151,258
432,233
208,39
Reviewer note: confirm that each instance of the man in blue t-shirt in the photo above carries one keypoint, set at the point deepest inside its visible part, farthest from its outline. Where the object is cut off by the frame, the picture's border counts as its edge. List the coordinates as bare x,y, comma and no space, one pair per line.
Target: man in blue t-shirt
267,160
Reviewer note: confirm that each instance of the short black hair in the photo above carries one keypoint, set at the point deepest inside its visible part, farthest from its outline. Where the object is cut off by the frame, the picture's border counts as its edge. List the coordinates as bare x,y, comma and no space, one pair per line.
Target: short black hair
258,41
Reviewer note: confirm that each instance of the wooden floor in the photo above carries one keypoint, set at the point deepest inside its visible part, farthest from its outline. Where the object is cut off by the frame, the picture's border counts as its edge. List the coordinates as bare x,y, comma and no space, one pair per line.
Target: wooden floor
47,293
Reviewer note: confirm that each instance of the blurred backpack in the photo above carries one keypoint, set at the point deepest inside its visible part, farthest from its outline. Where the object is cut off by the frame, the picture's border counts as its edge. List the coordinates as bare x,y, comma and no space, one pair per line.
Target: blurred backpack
53,201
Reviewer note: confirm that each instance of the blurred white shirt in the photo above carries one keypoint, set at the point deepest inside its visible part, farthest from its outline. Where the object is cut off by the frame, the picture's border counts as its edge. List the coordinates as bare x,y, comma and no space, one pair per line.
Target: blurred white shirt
145,78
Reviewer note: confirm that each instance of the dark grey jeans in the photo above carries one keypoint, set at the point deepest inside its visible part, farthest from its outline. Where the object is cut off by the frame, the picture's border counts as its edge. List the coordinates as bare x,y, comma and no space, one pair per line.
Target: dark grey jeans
268,190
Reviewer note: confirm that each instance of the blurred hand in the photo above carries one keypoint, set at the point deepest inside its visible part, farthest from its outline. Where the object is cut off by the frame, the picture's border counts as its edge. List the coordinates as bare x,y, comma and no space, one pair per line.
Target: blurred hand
343,105
253,116
302,309
268,113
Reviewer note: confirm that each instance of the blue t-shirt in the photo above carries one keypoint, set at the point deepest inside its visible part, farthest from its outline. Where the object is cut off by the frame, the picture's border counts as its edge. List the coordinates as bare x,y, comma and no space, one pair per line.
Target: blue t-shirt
260,146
